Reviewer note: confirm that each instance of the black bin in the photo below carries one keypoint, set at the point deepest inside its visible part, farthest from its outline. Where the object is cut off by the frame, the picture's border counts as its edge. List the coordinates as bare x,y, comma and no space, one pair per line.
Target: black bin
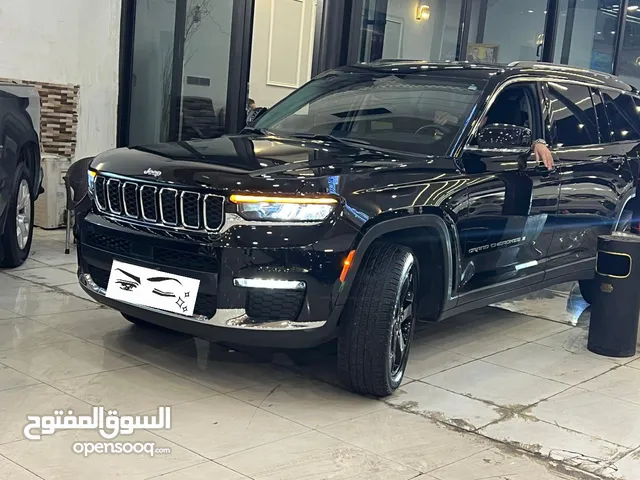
615,307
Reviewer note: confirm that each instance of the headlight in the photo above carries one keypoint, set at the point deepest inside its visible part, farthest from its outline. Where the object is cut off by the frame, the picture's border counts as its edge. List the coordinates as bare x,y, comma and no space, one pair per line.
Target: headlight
283,209
91,181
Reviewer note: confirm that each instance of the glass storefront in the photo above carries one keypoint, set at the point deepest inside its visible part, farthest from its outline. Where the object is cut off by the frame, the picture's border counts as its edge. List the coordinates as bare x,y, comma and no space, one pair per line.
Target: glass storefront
401,29
629,60
192,69
587,33
491,39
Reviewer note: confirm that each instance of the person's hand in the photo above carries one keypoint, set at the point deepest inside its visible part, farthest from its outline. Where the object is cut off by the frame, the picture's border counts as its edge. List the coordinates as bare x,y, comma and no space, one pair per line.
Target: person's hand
543,155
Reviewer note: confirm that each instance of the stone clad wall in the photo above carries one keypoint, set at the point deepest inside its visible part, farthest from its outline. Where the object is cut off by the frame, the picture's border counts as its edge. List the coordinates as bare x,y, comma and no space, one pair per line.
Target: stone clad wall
59,117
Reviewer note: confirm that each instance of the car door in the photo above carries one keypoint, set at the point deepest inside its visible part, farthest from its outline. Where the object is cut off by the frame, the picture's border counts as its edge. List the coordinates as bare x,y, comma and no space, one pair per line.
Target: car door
506,231
595,172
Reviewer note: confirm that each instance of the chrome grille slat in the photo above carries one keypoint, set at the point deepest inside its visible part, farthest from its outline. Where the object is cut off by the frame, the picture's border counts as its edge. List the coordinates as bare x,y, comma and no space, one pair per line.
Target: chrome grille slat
189,201
173,208
114,195
213,212
130,199
149,203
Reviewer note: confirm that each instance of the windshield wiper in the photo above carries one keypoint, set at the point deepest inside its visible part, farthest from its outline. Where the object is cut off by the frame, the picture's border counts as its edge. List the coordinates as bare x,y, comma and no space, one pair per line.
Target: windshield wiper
331,138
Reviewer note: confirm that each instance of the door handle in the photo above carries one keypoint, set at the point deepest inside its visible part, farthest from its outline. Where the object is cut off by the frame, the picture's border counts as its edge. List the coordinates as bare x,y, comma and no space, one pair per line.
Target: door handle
544,170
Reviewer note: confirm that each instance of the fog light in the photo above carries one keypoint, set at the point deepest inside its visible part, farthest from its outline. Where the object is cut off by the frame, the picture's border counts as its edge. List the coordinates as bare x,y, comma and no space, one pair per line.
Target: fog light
269,283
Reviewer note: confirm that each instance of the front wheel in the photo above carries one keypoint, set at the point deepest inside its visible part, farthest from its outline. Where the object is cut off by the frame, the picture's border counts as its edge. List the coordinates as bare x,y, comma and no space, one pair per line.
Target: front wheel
379,320
18,230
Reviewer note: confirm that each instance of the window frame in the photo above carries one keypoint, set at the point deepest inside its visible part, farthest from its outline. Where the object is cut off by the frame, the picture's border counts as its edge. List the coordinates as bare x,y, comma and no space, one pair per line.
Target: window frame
549,120
634,125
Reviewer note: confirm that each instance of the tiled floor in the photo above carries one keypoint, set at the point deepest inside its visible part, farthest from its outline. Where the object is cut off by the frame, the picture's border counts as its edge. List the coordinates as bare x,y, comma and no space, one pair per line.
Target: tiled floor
507,392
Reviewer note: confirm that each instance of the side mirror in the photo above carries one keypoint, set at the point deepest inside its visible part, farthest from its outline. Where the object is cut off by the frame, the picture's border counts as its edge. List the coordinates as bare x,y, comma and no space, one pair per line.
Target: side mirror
504,136
253,115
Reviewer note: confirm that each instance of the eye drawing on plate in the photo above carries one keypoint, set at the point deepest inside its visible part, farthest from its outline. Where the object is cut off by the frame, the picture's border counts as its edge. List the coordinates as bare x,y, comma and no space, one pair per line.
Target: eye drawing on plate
128,284
163,293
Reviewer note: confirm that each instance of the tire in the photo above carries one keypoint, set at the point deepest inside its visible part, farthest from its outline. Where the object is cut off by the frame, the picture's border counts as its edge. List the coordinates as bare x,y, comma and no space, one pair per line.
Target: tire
587,290
18,229
372,329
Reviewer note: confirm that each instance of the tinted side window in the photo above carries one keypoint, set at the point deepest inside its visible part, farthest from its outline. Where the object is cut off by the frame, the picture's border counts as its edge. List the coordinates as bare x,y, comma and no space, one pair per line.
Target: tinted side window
606,135
623,115
573,119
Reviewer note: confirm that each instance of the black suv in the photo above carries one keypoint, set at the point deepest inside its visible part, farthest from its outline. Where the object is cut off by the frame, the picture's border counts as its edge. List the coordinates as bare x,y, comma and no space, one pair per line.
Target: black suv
372,197
20,170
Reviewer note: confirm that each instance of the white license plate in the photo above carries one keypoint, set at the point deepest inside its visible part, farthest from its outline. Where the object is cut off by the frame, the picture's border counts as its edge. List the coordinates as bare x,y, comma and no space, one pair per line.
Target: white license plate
152,288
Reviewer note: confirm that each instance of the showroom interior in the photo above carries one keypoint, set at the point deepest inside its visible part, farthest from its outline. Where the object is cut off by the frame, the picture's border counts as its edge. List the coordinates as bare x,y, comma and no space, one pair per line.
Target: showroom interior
512,390
188,67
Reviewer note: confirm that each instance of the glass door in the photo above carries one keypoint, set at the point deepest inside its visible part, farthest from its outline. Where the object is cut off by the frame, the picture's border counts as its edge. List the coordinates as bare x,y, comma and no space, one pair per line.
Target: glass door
401,29
180,69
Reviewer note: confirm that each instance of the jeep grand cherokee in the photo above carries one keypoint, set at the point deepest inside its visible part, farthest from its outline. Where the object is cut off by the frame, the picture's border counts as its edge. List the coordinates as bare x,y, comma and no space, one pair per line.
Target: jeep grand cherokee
372,197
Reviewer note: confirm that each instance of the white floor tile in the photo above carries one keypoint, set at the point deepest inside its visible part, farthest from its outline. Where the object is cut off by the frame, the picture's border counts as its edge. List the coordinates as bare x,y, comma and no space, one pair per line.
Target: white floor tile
499,385
593,414
134,390
439,404
218,426
552,363
314,456
57,361
557,443
310,403
413,441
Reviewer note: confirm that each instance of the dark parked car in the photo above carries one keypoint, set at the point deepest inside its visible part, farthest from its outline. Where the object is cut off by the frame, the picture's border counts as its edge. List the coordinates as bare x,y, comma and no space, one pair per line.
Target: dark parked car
372,197
20,170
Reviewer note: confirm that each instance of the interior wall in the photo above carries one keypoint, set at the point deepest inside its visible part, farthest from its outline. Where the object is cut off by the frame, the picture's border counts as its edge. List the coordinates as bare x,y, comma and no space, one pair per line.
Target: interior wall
68,42
282,48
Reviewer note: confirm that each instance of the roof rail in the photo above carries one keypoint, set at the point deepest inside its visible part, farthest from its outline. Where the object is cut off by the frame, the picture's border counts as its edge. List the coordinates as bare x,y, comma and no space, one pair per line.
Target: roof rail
556,66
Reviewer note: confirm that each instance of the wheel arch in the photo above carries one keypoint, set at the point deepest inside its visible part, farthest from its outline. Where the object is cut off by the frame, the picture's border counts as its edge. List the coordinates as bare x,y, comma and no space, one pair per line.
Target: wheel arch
411,231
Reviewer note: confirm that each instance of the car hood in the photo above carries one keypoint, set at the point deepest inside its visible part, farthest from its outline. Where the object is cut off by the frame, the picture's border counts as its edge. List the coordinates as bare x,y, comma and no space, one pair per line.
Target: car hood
249,162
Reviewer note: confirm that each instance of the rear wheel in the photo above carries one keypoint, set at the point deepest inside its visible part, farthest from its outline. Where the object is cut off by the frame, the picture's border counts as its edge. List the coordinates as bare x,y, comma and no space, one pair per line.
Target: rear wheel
18,230
378,322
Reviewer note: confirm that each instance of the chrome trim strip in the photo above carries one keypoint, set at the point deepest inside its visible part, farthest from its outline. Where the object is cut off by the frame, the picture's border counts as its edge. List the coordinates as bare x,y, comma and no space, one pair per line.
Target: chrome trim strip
475,148
184,222
235,220
224,317
204,212
113,210
532,78
155,201
175,199
124,200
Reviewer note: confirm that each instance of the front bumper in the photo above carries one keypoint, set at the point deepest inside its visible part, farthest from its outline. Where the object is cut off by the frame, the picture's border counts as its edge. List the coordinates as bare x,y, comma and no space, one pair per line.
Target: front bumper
224,311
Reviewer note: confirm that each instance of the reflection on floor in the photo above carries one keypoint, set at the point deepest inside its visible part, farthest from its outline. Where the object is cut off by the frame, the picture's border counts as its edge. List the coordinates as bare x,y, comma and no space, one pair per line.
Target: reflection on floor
505,392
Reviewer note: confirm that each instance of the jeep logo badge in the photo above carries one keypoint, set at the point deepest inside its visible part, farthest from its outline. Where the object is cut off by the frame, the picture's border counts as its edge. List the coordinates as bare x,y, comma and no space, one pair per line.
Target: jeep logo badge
153,173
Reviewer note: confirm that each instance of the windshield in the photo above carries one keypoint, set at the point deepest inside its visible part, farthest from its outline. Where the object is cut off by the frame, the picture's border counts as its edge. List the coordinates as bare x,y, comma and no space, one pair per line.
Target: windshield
413,113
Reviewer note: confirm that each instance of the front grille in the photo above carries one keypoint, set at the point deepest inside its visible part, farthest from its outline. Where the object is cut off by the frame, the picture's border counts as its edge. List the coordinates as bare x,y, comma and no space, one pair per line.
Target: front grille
159,206
181,259
108,243
205,303
265,304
